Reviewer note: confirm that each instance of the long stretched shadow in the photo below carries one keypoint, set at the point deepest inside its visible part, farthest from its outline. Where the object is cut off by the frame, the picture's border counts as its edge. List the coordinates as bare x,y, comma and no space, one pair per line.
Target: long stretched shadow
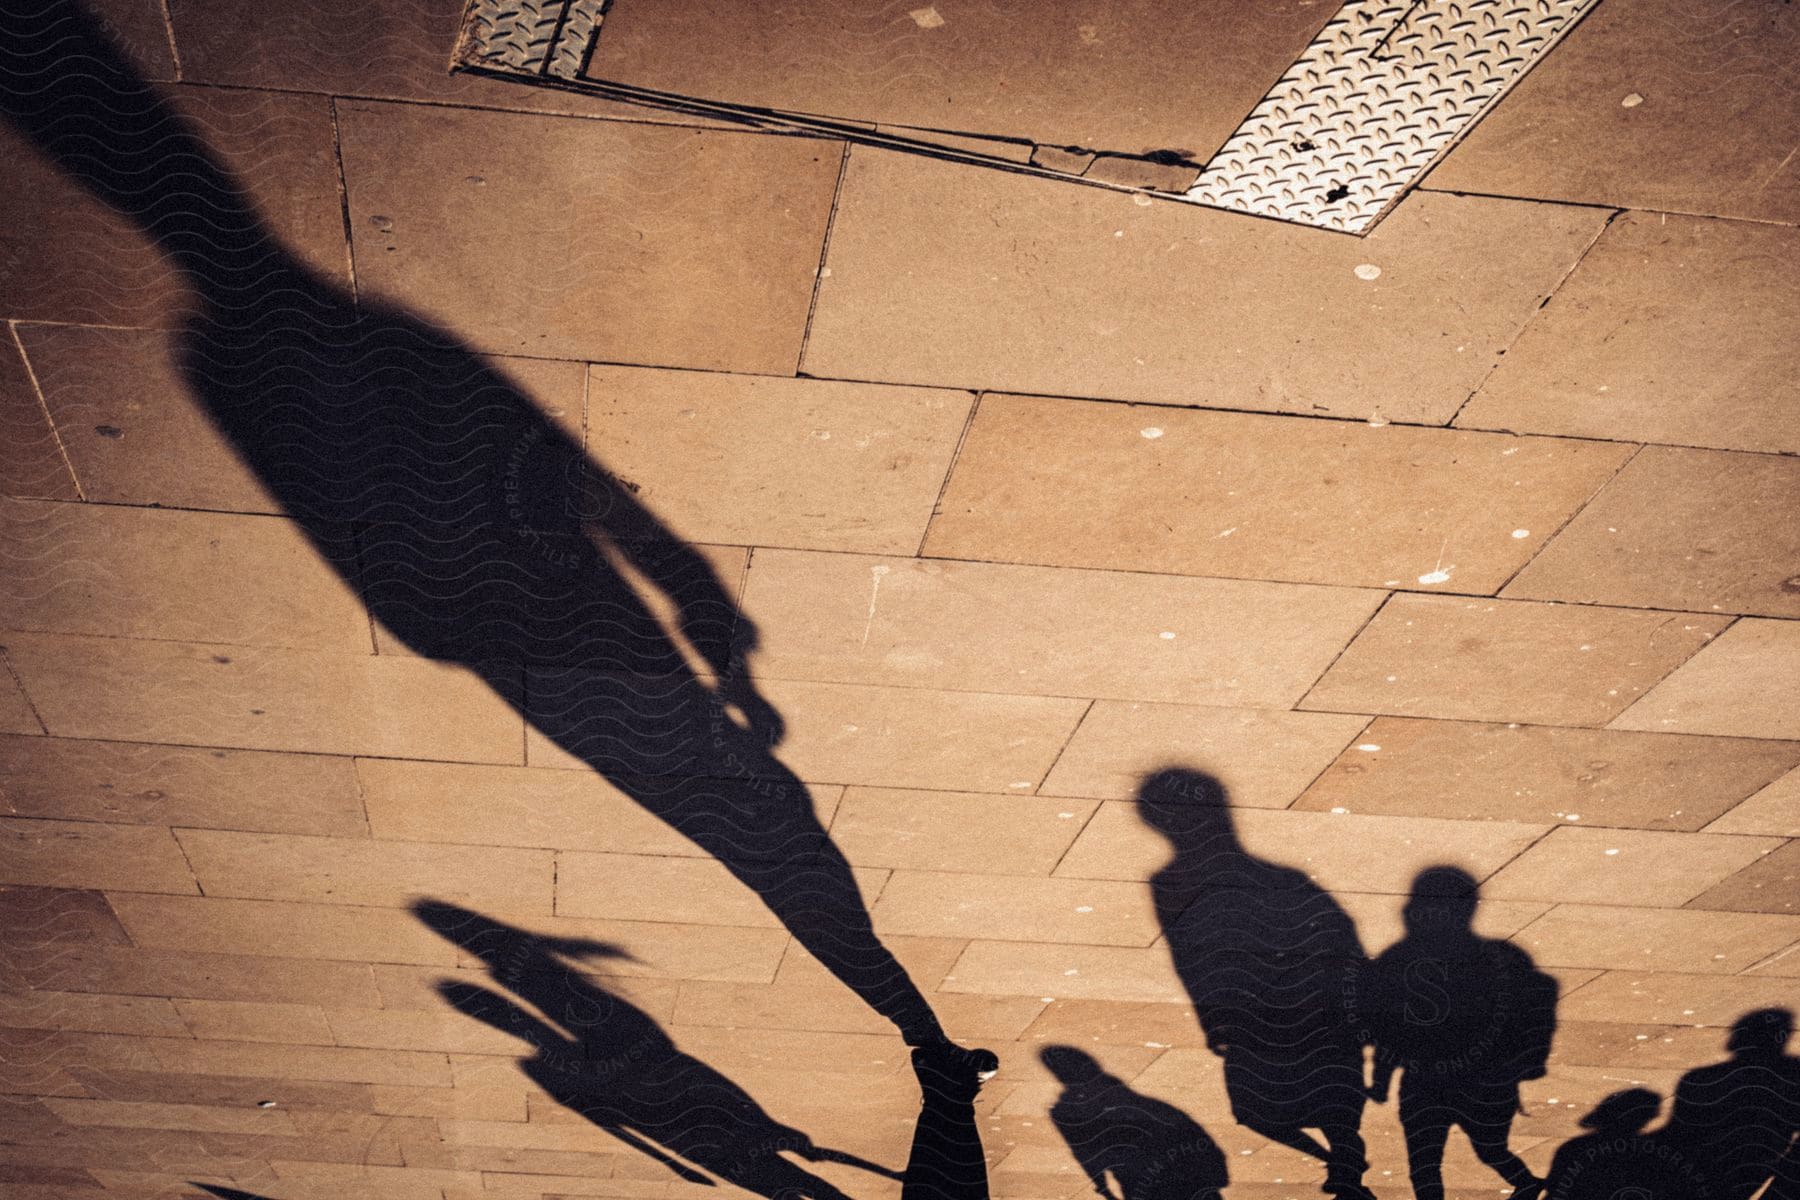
1464,1020
1265,956
476,530
1132,1146
605,1058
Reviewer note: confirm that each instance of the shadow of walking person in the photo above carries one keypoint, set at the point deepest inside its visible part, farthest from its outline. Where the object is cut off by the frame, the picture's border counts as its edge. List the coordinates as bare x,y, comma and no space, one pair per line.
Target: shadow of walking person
1464,1019
610,1061
1264,954
1146,1149
1739,1120
476,530
1618,1160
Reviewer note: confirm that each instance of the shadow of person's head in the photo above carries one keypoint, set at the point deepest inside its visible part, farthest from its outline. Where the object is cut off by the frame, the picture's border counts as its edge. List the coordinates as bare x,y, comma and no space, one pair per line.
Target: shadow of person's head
1441,902
1761,1034
1190,808
1072,1067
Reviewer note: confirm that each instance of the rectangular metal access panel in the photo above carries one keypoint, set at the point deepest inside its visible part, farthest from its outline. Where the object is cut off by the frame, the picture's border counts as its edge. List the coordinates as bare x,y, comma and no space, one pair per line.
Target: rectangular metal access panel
1383,90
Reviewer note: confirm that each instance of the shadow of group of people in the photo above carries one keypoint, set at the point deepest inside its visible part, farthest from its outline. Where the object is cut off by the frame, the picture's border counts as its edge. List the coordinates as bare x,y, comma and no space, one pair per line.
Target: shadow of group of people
1730,1132
1309,1030
478,532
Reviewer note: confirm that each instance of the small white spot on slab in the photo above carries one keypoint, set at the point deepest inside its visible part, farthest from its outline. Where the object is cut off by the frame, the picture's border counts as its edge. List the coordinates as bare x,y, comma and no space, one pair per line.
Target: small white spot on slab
1167,635
1151,431
1368,271
926,18
1368,747
1438,576
1521,533
1632,100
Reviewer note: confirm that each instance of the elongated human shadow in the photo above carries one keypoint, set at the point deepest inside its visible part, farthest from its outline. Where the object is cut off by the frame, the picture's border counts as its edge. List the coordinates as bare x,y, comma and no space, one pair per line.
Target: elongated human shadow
477,531
1145,1148
608,1060
1266,956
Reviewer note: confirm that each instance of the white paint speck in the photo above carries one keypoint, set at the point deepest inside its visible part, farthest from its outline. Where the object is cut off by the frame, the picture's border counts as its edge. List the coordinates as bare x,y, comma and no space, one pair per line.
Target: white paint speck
1632,100
1573,817
1377,421
1368,747
1151,431
1368,271
1612,853
875,576
1521,533
1340,810
1438,576
1141,200
1085,908
1065,816
926,18
1167,635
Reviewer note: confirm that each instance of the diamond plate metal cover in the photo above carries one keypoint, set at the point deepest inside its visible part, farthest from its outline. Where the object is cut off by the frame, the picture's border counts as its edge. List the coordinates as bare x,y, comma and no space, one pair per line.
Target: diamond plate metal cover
1383,90
529,37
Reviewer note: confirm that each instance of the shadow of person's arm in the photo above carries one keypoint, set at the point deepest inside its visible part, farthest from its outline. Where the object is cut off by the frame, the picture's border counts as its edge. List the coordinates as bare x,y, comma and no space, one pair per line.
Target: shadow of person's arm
812,1153
1786,1184
707,615
491,1008
650,1150
585,948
